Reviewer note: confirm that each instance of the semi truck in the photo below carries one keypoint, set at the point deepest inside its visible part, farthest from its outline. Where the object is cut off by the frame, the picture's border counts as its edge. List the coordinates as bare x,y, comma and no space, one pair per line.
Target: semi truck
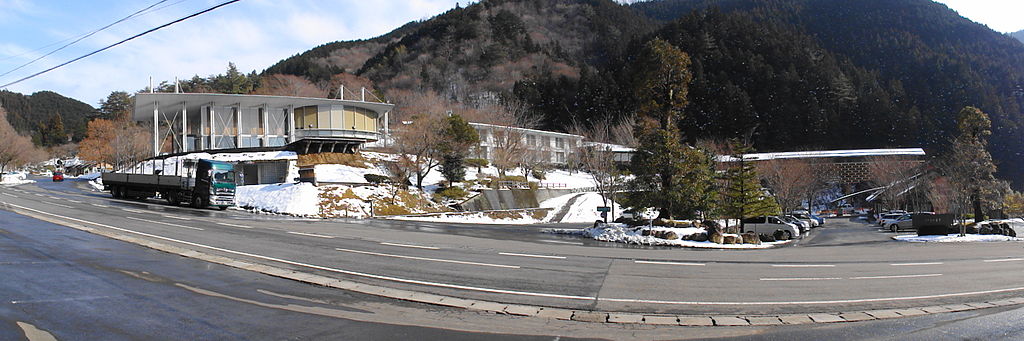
199,183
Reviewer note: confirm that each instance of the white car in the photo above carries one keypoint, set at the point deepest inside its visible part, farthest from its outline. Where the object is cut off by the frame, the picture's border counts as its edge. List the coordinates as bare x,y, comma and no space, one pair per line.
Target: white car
887,218
768,225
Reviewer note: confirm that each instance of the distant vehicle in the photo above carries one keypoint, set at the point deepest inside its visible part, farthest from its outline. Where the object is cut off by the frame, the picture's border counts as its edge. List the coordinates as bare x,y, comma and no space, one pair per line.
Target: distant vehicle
202,184
769,224
58,176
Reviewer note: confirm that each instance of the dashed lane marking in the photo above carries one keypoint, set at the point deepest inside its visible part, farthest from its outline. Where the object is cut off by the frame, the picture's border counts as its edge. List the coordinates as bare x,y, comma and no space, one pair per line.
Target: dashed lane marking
98,205
311,235
916,264
412,246
561,242
529,255
429,259
175,217
803,265
56,204
802,279
133,210
666,263
11,195
896,276
163,223
1003,260
235,225
74,201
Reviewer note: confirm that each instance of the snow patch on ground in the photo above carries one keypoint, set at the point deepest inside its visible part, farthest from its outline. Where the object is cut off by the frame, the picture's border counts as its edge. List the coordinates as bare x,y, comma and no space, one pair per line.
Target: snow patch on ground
300,199
619,233
584,210
956,238
15,178
471,218
343,173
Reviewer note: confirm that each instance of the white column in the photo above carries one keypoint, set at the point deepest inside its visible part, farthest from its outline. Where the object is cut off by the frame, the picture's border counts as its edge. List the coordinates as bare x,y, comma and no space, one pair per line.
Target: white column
184,127
291,124
387,133
238,125
156,128
265,124
213,128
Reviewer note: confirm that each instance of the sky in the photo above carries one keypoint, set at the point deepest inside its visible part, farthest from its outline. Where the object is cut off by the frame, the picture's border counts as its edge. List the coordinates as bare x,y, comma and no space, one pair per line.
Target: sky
253,34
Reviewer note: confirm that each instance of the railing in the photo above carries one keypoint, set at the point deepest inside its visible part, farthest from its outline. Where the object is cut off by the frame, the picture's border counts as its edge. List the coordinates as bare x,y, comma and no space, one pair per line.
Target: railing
342,133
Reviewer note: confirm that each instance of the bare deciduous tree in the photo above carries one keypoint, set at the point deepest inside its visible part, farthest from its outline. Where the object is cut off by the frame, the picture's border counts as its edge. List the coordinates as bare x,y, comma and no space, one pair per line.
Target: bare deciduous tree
895,174
597,155
509,142
790,180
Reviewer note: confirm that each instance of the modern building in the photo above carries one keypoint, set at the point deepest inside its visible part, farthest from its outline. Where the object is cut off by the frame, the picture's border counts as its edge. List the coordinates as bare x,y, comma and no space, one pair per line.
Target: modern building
189,122
550,147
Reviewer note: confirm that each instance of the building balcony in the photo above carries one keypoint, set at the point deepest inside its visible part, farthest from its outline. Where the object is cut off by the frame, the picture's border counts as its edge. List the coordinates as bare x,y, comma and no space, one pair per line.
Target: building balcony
346,134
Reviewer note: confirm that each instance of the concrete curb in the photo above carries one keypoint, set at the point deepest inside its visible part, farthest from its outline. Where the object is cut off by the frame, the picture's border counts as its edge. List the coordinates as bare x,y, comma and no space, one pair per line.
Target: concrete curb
536,311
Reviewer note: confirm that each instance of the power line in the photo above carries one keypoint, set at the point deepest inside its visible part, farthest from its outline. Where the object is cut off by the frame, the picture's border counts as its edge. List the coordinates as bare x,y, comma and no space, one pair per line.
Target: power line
120,42
75,38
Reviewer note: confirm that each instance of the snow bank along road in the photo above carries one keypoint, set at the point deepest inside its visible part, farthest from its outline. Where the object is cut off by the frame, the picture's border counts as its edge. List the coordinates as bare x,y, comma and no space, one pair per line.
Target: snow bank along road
855,268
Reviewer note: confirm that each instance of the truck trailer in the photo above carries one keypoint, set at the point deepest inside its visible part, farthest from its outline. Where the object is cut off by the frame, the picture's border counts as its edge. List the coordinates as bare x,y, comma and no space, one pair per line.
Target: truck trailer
199,183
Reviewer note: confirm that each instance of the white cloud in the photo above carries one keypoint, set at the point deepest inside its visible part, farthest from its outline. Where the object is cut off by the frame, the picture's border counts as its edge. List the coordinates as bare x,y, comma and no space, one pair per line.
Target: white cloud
1000,15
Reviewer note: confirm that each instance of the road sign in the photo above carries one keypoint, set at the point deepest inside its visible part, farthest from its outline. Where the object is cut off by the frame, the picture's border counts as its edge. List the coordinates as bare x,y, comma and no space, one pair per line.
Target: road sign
604,209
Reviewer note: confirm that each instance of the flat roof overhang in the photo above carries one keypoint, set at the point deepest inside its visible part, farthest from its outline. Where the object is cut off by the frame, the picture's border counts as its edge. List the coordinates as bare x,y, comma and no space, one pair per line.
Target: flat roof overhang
172,102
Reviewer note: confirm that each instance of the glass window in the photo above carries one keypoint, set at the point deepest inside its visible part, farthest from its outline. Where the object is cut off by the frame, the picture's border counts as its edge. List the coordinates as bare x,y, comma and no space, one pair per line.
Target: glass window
224,121
309,117
560,143
277,122
251,121
545,142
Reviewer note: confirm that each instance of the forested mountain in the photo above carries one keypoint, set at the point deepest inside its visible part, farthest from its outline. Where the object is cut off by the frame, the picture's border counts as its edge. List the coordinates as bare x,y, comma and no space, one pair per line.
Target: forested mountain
1019,35
792,74
50,118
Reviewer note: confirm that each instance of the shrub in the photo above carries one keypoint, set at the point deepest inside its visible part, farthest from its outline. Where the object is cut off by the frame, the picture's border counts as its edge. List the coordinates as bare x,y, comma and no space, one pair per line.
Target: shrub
376,179
539,174
450,193
478,163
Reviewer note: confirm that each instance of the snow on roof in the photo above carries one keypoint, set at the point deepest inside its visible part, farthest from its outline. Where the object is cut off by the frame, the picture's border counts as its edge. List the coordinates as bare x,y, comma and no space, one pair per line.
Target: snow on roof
826,153
547,132
615,148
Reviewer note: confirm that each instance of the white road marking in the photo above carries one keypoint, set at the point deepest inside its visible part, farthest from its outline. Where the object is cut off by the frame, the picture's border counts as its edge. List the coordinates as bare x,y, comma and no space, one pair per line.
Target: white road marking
325,268
311,235
666,263
412,246
74,201
561,242
53,197
98,205
174,217
802,279
11,195
896,276
529,255
522,293
429,259
133,210
234,225
1004,260
163,223
38,195
803,265
915,264
56,204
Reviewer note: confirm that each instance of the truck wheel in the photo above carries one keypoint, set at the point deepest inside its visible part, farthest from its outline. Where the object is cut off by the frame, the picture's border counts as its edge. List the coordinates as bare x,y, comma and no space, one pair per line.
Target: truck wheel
197,202
172,198
222,208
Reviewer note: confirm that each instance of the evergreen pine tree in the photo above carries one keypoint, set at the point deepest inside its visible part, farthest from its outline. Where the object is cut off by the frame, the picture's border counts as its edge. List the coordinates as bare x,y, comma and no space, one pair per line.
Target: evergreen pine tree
742,195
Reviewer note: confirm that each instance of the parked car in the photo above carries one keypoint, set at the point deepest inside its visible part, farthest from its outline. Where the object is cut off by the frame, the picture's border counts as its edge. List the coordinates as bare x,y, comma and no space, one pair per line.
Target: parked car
806,217
58,176
886,218
770,224
803,225
904,222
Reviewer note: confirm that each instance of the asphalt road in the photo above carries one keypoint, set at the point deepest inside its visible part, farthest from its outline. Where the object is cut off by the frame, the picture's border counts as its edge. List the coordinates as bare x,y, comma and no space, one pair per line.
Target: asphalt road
72,285
847,265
